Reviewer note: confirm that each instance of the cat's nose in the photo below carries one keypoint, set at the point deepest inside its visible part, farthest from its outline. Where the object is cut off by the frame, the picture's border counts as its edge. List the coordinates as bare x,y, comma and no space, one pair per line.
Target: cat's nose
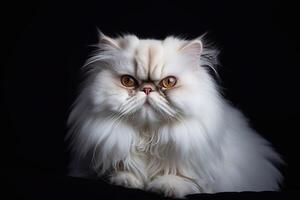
147,90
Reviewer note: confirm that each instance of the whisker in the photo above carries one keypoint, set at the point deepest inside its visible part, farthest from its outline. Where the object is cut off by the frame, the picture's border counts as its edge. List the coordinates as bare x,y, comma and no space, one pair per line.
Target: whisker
166,108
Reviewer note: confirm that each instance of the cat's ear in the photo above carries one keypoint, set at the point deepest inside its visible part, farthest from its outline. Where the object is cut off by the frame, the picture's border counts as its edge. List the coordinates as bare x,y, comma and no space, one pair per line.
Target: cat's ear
107,42
193,48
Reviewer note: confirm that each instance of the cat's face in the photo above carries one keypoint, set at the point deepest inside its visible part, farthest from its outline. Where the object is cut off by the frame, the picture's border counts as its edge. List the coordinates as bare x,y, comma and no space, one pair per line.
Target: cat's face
148,82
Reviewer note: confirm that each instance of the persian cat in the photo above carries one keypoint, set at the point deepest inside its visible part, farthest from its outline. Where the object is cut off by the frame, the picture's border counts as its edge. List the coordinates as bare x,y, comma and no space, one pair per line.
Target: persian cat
150,116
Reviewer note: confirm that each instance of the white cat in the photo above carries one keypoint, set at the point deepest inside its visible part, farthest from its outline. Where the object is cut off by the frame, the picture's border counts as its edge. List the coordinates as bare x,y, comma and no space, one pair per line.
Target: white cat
150,116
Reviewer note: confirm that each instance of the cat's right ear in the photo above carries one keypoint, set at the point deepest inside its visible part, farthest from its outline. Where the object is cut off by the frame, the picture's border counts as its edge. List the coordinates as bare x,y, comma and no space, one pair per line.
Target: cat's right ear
107,42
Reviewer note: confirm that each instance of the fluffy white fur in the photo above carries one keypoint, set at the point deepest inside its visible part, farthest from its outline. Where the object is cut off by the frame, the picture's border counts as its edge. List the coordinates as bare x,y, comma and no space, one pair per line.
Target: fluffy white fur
188,140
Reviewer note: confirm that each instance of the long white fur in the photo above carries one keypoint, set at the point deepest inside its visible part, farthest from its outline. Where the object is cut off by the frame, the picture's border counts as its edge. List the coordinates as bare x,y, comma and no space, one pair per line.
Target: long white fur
190,140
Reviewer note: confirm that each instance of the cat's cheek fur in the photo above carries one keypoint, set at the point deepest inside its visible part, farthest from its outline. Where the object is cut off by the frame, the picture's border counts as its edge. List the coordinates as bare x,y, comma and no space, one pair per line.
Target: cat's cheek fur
105,93
195,92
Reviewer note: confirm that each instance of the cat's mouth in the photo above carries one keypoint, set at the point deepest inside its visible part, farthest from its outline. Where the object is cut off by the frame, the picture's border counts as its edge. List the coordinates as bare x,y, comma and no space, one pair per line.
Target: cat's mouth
147,103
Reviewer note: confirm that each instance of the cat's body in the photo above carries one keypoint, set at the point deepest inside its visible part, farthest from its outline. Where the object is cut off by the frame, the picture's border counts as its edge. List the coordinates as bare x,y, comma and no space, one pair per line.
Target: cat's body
164,128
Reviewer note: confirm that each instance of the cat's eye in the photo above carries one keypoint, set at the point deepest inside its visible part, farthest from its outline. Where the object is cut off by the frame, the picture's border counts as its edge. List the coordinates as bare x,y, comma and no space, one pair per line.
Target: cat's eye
168,82
128,81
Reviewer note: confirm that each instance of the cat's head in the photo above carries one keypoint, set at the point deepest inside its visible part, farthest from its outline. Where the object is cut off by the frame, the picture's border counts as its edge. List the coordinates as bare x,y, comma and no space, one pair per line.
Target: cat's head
148,82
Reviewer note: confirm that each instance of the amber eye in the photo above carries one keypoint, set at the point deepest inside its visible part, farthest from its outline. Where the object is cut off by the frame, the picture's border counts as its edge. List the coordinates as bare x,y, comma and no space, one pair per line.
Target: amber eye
168,82
128,81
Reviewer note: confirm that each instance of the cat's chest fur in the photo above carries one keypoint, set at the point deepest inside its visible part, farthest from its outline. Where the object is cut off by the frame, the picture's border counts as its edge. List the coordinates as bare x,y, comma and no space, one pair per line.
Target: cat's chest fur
155,156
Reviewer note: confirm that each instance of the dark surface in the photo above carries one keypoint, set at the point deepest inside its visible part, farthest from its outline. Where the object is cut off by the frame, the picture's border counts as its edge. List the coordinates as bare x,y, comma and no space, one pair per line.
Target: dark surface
51,186
46,44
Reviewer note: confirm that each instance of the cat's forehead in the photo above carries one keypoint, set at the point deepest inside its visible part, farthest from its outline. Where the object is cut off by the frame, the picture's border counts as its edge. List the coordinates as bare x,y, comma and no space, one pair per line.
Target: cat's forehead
149,59
152,58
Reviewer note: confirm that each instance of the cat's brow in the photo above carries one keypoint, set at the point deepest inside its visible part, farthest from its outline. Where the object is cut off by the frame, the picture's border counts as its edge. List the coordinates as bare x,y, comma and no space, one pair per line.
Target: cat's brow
156,63
149,59
141,63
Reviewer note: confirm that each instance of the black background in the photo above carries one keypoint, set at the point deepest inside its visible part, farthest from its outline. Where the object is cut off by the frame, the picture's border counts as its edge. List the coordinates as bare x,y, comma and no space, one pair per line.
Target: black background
46,43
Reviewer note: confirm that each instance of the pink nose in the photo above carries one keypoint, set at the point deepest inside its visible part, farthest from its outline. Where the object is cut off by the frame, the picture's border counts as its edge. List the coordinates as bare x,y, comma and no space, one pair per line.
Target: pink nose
147,90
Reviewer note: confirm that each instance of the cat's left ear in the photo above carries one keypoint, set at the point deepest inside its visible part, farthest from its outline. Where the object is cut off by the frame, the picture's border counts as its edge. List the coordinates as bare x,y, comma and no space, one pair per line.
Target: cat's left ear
193,48
107,42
